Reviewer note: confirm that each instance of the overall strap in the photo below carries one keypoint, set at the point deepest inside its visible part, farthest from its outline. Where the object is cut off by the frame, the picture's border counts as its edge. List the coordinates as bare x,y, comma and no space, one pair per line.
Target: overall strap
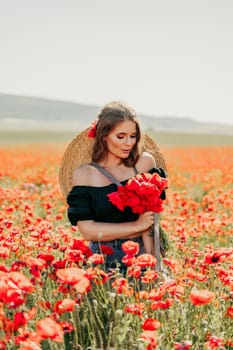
105,173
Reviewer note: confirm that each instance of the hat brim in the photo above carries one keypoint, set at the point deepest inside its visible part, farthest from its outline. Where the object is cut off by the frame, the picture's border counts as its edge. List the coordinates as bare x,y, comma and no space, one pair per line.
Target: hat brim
79,152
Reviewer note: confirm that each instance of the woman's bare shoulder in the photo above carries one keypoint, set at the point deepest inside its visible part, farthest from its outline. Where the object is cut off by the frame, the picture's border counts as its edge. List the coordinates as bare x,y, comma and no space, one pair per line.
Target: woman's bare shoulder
145,162
82,175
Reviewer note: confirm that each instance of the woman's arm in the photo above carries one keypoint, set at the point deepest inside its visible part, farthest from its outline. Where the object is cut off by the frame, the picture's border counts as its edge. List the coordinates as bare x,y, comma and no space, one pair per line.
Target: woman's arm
103,231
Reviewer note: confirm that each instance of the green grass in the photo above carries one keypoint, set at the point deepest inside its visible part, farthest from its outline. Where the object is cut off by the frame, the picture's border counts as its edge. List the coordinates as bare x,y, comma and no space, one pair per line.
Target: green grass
183,139
12,138
30,137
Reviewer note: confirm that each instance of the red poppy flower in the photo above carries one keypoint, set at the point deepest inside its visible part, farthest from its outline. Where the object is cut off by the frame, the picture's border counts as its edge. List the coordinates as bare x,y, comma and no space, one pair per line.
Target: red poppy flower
142,294
162,304
30,344
49,328
2,345
78,244
128,260
135,309
74,256
197,276
133,200
151,324
17,265
177,291
119,283
19,320
83,286
3,268
66,326
106,250
146,260
172,263
229,343
21,281
201,297
92,132
47,257
134,271
218,255
30,315
122,286
4,252
7,325
130,247
215,343
230,311
71,275
151,338
46,305
59,264
116,199
149,276
134,184
96,259
96,275
35,263
65,305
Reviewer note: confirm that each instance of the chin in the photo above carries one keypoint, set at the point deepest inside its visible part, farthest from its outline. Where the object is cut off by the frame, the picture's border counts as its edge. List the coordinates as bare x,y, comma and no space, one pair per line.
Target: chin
125,156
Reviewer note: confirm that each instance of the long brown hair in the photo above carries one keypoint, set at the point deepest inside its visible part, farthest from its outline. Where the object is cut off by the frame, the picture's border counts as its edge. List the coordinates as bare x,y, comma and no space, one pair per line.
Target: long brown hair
110,115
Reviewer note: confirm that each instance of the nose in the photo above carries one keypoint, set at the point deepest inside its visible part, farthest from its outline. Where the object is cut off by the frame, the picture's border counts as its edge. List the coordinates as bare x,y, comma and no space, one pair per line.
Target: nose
128,140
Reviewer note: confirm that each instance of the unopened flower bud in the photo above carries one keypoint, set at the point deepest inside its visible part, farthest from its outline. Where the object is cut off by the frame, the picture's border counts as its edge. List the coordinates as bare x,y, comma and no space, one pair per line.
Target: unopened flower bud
118,313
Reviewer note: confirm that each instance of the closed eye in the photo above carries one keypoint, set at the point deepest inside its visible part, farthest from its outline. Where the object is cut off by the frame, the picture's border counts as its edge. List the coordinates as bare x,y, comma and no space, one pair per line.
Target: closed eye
122,136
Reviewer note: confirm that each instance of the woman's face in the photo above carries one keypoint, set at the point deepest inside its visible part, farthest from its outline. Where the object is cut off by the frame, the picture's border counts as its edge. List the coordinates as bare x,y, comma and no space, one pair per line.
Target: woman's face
121,139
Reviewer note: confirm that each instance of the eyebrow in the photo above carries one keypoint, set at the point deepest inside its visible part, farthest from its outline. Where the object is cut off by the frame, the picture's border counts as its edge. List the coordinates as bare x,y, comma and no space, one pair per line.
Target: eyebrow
124,133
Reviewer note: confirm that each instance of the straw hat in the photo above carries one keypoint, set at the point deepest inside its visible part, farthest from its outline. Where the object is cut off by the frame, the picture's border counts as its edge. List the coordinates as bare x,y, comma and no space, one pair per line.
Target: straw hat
79,152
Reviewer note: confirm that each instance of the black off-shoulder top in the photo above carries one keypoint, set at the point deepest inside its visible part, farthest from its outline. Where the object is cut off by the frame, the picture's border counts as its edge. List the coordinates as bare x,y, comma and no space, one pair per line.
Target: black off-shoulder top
91,203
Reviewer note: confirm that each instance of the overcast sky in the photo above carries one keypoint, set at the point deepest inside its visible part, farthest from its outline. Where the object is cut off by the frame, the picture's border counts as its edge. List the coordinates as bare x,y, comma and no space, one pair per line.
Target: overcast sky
163,57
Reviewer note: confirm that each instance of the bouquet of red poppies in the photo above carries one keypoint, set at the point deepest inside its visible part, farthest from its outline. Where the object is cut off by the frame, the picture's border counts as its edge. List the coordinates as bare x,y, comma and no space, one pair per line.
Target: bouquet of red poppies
141,193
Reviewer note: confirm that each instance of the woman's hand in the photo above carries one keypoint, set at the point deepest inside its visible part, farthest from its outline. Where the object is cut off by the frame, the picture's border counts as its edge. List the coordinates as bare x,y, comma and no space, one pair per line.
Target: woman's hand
145,220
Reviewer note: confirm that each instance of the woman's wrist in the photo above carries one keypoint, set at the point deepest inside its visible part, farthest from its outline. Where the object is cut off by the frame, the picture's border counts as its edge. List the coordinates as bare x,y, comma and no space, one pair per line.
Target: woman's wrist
137,227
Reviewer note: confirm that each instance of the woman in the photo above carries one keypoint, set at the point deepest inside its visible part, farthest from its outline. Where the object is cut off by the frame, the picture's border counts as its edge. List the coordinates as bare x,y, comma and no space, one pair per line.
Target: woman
116,149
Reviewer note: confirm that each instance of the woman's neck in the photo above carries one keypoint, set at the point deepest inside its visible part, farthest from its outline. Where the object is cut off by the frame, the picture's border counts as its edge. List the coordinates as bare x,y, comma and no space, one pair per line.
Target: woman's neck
112,163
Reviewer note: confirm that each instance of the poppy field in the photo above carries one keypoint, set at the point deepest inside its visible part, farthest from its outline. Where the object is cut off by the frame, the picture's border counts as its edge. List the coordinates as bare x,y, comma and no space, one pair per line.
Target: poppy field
55,294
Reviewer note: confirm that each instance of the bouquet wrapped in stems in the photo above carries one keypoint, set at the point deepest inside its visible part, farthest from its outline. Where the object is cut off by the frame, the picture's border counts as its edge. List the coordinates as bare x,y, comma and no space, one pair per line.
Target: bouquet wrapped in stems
143,193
